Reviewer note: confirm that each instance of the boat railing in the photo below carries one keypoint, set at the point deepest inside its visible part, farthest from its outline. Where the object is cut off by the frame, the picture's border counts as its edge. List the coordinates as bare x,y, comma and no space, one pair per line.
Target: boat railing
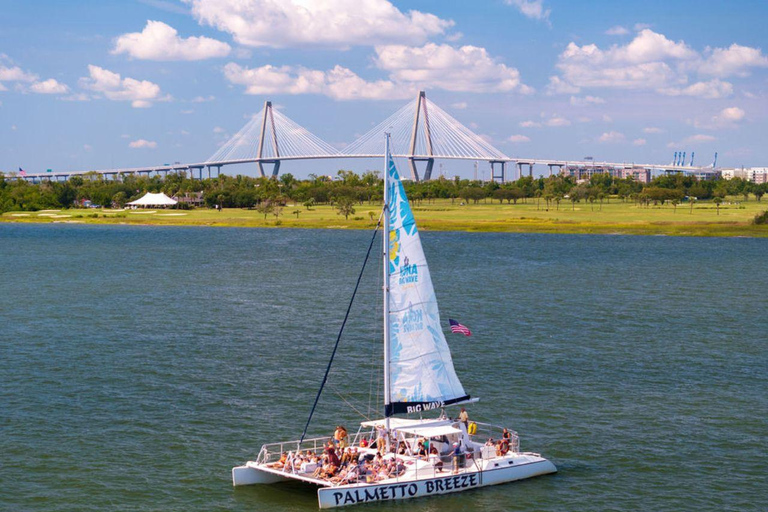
487,431
271,452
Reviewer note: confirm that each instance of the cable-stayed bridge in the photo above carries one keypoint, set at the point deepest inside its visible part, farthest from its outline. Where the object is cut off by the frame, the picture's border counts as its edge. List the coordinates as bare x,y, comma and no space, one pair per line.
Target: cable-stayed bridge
421,132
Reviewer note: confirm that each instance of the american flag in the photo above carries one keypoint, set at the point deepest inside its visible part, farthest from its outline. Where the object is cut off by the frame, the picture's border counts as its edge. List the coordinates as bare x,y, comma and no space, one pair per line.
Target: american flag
22,172
456,327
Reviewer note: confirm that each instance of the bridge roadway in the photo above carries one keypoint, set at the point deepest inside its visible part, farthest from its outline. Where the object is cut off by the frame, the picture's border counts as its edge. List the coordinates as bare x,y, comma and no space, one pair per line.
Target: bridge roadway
201,166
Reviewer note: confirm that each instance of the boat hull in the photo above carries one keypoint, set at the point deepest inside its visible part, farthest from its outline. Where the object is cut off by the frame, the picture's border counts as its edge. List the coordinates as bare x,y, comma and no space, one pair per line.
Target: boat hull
252,475
331,497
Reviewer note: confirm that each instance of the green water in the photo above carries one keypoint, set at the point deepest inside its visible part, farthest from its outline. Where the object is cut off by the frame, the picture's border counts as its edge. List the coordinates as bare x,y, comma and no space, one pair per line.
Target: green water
139,364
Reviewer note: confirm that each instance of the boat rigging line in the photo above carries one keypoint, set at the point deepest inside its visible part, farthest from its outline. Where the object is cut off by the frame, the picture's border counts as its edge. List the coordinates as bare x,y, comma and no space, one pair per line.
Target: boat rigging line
343,324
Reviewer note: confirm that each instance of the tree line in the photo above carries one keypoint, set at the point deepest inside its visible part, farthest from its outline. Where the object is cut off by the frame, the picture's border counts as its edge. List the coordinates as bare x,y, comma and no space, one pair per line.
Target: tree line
348,188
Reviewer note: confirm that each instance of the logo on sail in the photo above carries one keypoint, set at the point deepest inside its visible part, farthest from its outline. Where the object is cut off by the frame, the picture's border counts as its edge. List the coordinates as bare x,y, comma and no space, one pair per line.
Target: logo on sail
413,320
409,274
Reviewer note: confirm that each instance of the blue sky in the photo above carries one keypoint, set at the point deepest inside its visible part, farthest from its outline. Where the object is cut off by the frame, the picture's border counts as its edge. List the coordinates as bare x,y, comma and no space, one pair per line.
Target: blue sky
93,84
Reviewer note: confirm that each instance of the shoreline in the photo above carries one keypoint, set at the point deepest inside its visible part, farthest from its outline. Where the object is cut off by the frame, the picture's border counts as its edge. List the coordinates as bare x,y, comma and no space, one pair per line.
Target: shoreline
619,219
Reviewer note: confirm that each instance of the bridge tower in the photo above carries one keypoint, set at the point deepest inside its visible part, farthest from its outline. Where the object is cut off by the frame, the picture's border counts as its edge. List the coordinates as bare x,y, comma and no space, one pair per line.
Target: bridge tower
268,123
423,113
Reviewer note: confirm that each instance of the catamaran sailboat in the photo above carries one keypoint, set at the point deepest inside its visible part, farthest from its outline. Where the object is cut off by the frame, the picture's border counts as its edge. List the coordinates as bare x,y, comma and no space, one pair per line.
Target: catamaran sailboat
419,378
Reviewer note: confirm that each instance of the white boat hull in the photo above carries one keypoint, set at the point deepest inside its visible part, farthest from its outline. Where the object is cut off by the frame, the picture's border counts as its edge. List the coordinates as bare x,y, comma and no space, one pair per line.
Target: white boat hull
251,474
340,496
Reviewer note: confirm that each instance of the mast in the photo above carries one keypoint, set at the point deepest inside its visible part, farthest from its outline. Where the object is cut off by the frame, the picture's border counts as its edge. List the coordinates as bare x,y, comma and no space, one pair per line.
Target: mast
385,241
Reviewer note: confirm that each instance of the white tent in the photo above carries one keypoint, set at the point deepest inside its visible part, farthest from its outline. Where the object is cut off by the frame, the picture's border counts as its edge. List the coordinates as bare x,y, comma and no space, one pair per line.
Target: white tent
153,200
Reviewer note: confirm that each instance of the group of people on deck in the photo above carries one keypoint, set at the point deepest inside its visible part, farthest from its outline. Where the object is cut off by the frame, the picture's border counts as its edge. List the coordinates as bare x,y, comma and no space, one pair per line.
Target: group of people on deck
340,463
502,445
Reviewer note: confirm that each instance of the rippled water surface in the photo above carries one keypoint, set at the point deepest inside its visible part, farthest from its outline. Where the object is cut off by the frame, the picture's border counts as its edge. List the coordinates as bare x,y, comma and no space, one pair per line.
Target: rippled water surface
139,364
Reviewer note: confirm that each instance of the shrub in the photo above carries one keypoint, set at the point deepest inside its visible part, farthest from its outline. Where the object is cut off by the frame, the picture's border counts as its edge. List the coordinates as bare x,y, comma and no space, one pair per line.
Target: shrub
761,218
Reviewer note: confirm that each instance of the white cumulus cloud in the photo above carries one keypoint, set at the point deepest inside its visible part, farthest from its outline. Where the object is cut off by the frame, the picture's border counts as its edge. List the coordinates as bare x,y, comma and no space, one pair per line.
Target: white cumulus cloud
141,93
338,83
49,86
16,74
458,69
617,30
518,139
651,61
586,100
611,137
159,41
464,68
693,140
726,118
639,142
142,144
533,9
28,82
712,89
734,60
557,121
334,23
652,129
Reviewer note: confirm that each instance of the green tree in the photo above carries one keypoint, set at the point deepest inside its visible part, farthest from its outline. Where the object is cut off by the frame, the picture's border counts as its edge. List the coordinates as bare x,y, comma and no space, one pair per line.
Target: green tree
345,206
119,199
265,208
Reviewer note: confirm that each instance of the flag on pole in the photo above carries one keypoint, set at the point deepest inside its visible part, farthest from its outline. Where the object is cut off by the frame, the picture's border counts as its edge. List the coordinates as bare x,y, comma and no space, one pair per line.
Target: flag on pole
456,327
22,172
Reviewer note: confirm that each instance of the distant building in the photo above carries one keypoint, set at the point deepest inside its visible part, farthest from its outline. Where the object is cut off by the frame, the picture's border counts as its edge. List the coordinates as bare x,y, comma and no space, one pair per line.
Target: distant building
190,198
753,174
706,174
584,173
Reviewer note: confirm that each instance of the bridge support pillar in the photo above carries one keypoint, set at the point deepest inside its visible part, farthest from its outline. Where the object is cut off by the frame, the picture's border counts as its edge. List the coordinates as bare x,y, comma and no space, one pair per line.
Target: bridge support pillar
427,171
275,168
552,166
503,171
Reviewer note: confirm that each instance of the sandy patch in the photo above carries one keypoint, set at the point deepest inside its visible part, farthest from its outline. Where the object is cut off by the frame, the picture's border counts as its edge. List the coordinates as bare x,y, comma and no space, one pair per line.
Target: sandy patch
60,216
20,214
46,215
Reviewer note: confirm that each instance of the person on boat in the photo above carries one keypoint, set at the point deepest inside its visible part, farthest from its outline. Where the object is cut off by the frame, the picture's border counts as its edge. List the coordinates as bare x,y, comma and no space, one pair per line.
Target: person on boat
464,418
503,447
434,458
344,440
421,451
364,442
381,438
280,464
505,434
490,442
332,457
456,457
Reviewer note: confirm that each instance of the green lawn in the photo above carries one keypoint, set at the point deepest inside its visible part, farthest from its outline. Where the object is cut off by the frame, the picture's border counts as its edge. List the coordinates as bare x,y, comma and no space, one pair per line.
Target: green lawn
612,217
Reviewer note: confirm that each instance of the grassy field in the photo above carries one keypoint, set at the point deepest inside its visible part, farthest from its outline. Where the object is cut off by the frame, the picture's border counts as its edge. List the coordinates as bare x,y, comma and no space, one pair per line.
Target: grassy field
614,217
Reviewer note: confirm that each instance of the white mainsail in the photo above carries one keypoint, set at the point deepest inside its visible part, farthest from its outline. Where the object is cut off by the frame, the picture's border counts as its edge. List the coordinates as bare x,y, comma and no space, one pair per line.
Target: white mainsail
421,373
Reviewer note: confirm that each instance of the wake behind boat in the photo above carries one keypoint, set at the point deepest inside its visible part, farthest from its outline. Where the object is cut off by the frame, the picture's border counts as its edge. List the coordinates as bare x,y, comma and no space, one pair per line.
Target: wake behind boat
397,458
